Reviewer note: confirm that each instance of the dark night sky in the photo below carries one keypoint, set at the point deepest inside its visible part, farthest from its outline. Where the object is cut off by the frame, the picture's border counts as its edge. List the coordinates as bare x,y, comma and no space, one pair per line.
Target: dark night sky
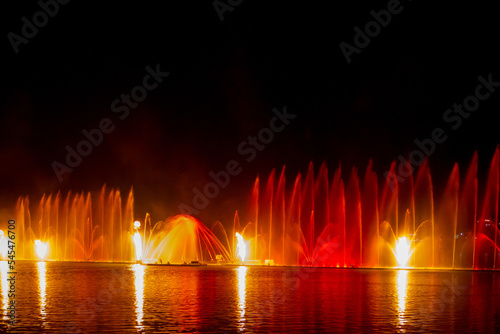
225,79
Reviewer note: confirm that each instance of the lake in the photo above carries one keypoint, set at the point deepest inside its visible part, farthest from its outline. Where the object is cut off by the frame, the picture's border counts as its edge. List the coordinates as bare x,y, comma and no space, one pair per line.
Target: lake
72,297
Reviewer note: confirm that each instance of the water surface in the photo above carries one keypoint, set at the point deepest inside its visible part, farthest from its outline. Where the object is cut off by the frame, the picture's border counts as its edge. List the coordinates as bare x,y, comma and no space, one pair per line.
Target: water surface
65,297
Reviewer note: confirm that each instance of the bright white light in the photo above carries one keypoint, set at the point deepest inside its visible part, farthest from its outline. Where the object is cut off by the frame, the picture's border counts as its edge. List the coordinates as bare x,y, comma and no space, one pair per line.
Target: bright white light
42,269
41,249
138,270
402,284
242,273
137,224
3,245
4,269
402,252
241,247
138,246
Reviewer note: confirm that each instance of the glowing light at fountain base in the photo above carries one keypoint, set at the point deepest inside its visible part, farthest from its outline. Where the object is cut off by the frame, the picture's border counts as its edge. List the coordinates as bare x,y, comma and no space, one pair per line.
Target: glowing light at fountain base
41,249
3,245
403,252
241,247
138,246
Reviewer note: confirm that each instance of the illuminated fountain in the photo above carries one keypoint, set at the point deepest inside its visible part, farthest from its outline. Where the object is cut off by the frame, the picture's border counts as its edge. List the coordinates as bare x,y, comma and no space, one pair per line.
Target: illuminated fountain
241,242
180,239
319,218
78,226
362,222
99,227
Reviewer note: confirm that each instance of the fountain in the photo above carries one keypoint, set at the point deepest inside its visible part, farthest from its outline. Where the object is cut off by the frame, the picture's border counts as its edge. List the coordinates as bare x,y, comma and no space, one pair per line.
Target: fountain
98,227
343,219
180,239
78,227
360,223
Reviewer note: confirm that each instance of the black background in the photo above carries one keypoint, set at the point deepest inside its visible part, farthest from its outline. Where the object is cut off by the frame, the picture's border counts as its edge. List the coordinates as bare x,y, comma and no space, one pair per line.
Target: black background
225,79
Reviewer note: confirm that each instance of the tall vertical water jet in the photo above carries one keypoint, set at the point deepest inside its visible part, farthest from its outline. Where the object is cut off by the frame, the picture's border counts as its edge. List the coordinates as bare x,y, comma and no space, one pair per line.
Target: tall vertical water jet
236,229
293,229
389,215
278,242
406,208
487,226
354,229
337,214
57,232
424,212
467,216
323,233
254,214
127,223
268,202
446,221
370,230
307,209
66,227
77,227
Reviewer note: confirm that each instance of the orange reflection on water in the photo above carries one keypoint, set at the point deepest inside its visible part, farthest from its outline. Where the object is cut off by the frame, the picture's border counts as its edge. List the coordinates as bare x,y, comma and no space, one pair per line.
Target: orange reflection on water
402,284
242,274
41,266
4,268
138,270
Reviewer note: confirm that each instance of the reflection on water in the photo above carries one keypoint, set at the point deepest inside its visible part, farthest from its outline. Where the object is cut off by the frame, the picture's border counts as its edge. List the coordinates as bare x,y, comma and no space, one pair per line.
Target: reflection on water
138,270
4,268
54,297
402,284
242,274
42,288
